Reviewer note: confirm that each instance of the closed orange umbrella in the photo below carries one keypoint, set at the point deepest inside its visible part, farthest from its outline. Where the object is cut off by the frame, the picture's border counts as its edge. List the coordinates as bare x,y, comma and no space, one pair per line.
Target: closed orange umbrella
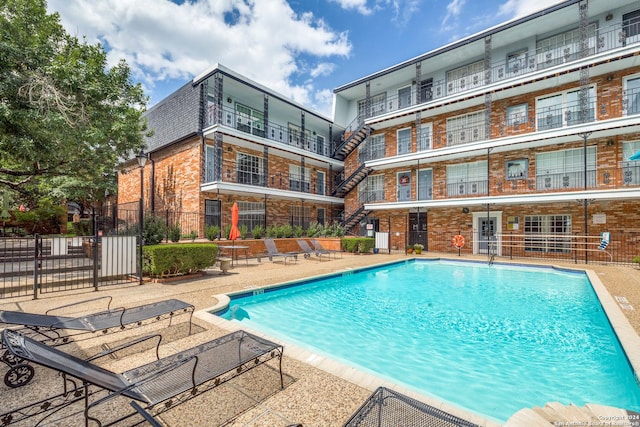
234,233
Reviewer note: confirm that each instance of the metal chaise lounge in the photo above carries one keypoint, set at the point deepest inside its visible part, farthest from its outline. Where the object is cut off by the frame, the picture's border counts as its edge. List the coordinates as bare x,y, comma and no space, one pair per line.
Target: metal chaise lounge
56,330
388,408
157,386
318,247
308,251
274,253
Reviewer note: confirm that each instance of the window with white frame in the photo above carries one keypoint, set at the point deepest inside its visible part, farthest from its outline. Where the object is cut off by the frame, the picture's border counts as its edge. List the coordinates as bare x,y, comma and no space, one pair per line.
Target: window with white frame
210,169
372,148
565,169
465,78
404,141
377,106
630,168
300,215
631,26
251,214
467,179
371,189
631,95
249,120
466,128
424,142
404,97
547,233
299,178
564,109
564,47
249,169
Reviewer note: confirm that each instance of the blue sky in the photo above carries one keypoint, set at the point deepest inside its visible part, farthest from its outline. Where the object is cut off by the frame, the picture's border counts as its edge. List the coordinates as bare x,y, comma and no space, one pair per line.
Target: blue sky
303,49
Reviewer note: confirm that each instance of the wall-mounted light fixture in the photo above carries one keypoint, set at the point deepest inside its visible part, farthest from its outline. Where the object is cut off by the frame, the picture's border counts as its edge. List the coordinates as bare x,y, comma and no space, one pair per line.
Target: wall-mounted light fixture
465,210
609,77
609,17
229,100
610,142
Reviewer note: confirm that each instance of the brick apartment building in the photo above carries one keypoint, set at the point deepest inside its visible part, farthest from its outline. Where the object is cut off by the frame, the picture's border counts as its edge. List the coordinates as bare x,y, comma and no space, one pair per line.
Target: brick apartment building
519,138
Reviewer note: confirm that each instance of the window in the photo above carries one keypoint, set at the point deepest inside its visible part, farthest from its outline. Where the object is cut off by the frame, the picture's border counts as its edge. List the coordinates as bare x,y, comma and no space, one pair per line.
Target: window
300,216
517,115
299,178
212,212
563,109
564,47
564,169
210,162
404,141
426,90
297,138
249,169
466,128
321,177
631,96
372,148
371,189
630,168
631,25
377,106
251,214
320,146
517,62
424,143
249,120
465,78
467,179
547,233
425,184
404,97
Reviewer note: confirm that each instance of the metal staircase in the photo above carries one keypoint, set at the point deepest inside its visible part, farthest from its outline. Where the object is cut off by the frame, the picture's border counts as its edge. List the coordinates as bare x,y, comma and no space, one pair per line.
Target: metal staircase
354,179
351,142
353,219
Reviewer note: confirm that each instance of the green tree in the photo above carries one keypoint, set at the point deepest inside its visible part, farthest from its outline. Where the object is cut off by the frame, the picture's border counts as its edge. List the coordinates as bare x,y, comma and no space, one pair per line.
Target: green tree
66,118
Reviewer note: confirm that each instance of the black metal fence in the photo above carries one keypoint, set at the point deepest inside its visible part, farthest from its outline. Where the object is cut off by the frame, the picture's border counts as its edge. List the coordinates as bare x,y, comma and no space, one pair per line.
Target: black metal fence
34,265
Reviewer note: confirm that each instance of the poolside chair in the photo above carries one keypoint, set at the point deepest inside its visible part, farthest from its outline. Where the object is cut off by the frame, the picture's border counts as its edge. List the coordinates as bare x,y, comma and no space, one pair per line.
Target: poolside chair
274,253
158,386
388,408
308,251
59,330
318,247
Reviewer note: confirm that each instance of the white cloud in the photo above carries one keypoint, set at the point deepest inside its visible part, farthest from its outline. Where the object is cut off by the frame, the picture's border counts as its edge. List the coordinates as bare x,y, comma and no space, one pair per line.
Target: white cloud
161,40
518,8
453,9
359,5
322,69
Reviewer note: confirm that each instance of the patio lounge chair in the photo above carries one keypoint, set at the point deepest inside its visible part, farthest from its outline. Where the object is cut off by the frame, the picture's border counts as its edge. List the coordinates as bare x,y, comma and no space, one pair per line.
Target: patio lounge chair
274,253
318,247
158,386
59,330
387,408
308,251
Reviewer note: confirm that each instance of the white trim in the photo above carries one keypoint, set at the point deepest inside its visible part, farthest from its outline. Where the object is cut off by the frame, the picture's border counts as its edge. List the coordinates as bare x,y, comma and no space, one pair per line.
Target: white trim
233,188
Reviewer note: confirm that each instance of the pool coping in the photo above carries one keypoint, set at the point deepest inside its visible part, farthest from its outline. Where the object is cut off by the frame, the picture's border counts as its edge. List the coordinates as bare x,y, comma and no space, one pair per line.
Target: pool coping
626,334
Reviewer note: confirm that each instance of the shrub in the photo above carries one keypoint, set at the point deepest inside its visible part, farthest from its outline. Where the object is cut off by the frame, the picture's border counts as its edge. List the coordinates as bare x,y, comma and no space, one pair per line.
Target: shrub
284,231
178,259
358,244
226,231
193,235
212,232
244,230
298,231
173,232
270,232
154,230
350,244
315,229
83,227
257,232
334,230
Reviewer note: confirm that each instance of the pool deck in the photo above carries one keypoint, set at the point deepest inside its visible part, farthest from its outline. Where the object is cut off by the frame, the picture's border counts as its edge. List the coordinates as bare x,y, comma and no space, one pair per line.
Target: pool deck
318,392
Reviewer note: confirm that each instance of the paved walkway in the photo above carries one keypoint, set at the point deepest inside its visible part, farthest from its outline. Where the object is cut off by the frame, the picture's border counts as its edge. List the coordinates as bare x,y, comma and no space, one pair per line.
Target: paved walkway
311,396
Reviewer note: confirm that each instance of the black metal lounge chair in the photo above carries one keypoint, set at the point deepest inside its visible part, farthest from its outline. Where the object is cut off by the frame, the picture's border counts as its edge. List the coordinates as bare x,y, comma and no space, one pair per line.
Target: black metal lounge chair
387,408
274,253
158,386
318,247
308,251
59,330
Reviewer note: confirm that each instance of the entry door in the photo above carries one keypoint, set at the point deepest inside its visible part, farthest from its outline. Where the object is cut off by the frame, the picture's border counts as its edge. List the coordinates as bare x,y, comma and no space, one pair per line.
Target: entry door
418,228
487,235
404,186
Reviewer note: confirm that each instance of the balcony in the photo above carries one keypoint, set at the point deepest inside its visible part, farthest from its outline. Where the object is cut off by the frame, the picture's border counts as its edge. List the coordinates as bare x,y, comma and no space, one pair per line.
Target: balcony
555,51
462,188
255,125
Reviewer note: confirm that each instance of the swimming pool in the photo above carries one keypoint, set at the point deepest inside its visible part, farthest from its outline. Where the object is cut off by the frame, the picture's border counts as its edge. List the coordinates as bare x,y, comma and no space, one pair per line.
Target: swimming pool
492,340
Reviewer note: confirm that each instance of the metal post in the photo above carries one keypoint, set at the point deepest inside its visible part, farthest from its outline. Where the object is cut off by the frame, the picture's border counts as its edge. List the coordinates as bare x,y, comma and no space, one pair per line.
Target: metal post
141,219
36,254
96,245
585,201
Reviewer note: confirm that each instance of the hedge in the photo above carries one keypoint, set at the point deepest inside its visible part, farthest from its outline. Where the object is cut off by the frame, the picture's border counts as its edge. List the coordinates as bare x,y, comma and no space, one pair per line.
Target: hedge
358,244
178,259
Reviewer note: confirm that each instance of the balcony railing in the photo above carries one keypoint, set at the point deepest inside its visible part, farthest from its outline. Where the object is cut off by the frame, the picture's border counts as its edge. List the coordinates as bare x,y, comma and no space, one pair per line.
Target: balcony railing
626,175
310,141
604,40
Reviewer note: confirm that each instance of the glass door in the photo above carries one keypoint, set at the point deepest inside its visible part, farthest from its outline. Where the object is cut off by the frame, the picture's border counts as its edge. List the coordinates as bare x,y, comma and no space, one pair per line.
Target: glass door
404,186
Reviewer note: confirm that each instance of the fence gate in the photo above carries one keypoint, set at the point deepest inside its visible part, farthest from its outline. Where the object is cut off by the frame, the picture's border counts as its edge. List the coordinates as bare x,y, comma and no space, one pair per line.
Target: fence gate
36,265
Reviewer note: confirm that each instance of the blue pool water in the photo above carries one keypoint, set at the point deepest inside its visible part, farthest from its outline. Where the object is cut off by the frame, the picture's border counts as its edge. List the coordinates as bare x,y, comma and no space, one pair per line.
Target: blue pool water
490,339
